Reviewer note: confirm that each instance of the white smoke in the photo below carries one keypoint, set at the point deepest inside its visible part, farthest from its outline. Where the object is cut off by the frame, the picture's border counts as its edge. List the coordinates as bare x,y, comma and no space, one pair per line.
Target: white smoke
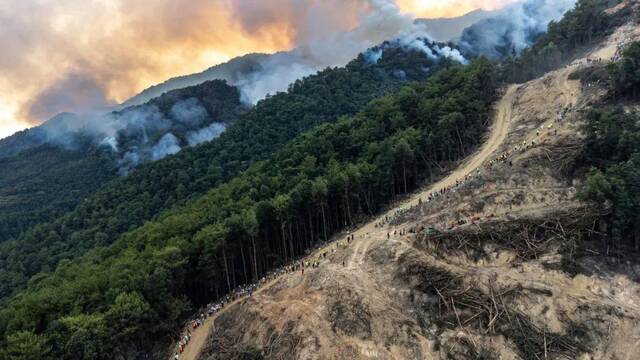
373,56
419,40
189,112
515,27
277,72
317,50
137,134
129,160
168,145
449,53
206,134
320,49
111,142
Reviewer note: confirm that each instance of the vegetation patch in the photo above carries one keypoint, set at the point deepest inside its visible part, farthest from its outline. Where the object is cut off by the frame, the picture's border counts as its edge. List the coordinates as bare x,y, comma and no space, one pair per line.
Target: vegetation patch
349,315
462,306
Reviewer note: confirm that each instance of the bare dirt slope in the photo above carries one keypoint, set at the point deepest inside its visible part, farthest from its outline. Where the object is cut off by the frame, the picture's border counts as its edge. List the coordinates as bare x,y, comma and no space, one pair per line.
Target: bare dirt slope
487,271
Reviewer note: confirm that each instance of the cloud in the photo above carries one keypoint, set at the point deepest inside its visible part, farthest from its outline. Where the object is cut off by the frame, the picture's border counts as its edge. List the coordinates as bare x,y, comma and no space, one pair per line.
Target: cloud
168,145
516,27
75,91
111,49
206,134
76,54
450,8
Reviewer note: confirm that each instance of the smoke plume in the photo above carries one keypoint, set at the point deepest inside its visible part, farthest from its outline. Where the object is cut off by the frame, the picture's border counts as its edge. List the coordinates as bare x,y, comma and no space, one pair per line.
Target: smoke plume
514,28
189,112
143,133
76,55
206,134
167,145
321,38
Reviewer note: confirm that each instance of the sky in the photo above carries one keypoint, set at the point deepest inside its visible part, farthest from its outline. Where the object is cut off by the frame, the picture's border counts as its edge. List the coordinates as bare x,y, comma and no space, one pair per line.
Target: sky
85,55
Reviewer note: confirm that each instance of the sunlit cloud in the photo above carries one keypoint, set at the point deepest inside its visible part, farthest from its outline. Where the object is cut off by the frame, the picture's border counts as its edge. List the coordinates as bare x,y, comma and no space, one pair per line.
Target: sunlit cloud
77,55
449,8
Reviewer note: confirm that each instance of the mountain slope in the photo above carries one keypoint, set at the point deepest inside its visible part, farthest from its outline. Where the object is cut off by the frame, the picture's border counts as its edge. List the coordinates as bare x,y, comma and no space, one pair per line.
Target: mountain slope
506,266
46,171
151,189
209,246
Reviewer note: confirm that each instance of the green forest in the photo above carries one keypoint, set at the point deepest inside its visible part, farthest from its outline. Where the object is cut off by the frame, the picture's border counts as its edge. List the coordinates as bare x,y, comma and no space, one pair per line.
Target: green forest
330,177
118,274
128,202
46,182
613,153
46,172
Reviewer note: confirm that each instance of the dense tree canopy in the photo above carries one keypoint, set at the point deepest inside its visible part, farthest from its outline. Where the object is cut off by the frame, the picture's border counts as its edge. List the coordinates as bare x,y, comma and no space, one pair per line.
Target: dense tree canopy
625,73
321,181
613,152
48,170
128,202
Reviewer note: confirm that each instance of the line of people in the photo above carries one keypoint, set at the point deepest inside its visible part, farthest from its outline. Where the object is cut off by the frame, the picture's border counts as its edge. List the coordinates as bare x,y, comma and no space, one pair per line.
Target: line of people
246,291
300,265
504,158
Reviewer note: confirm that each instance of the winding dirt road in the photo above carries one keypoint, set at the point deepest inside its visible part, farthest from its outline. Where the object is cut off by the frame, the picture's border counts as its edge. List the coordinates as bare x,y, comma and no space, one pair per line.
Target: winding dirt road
365,236
368,233
497,135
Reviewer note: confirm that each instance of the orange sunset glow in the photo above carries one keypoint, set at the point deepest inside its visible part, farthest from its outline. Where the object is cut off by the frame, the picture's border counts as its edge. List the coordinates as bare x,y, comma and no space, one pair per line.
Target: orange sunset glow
109,50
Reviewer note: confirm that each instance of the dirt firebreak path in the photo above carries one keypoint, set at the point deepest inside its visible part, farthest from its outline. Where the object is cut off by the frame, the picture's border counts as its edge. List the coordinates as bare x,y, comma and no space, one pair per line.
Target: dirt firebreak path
199,336
367,233
499,130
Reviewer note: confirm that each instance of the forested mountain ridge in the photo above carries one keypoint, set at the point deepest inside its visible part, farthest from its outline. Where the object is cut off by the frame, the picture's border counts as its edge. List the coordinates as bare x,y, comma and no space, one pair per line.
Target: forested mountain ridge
332,175
132,262
152,188
243,68
46,171
230,71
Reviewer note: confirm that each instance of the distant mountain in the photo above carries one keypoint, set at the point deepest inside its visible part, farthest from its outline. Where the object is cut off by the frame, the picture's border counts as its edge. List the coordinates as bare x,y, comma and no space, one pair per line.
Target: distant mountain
239,70
231,71
450,29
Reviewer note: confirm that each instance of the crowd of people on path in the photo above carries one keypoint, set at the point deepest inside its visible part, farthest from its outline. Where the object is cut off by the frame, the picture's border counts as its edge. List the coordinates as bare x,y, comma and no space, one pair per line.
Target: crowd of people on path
504,158
299,265
247,291
621,48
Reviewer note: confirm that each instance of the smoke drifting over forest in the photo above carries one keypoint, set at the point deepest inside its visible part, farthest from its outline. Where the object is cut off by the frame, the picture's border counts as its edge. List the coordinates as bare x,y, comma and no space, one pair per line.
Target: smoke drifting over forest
323,37
514,28
104,53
